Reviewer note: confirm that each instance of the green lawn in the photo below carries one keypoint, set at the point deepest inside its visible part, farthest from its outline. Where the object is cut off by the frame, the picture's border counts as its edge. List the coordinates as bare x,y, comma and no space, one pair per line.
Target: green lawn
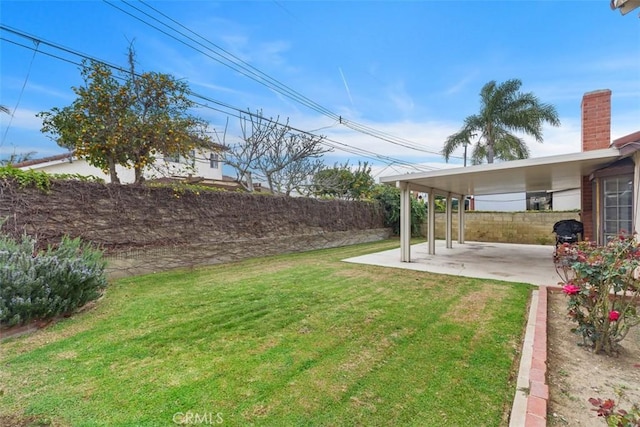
292,340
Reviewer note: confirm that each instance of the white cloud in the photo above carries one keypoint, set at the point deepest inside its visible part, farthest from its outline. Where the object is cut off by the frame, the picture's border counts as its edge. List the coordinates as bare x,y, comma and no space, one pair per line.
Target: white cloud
400,98
461,84
23,119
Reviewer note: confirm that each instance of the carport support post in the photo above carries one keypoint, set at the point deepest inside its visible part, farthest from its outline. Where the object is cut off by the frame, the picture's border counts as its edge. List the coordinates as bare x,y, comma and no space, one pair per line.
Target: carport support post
432,222
449,232
462,202
405,221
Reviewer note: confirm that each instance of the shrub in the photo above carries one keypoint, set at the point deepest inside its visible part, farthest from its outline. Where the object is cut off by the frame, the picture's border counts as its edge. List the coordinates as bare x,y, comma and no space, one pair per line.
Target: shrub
35,286
616,417
389,198
603,288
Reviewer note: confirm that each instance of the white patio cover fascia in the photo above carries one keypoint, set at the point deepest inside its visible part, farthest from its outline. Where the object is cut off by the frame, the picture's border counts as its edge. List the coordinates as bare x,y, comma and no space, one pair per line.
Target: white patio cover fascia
625,6
553,173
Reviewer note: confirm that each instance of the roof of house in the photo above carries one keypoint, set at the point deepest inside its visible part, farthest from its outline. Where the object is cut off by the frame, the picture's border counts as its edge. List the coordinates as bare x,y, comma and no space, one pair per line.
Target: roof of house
628,143
34,162
69,156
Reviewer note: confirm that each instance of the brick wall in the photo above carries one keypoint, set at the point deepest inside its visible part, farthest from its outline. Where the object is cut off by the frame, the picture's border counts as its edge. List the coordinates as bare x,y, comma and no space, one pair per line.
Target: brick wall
505,227
596,135
586,208
596,120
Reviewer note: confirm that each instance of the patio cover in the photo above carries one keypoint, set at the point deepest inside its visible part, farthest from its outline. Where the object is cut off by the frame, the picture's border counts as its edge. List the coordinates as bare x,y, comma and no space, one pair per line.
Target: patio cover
625,6
536,174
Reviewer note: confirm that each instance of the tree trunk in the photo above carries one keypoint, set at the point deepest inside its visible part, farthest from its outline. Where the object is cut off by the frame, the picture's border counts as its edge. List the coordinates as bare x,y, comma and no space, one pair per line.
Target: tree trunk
112,172
270,183
139,177
247,177
490,153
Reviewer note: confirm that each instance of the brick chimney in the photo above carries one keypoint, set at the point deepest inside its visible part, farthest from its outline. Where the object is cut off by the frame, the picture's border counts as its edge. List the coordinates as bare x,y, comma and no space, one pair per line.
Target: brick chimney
596,120
596,135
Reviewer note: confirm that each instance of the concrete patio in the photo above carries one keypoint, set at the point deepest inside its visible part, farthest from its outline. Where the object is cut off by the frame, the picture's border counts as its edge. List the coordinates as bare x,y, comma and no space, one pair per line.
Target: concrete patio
501,261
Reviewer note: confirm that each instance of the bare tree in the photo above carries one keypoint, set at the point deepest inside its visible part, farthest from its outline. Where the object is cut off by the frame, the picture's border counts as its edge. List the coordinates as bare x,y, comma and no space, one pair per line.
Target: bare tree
285,149
297,176
274,152
243,156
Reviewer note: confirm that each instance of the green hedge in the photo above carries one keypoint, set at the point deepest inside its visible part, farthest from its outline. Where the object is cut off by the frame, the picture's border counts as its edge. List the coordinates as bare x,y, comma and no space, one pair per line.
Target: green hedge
389,198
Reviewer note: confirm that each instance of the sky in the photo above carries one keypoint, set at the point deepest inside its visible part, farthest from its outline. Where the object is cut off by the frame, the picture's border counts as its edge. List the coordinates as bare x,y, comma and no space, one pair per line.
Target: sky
409,71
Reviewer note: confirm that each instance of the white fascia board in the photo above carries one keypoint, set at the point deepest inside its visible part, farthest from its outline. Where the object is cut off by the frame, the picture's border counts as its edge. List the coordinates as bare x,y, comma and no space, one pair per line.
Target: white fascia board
603,154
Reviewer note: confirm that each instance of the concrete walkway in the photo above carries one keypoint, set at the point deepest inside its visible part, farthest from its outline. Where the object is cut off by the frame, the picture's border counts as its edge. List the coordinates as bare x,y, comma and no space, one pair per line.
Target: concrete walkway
500,261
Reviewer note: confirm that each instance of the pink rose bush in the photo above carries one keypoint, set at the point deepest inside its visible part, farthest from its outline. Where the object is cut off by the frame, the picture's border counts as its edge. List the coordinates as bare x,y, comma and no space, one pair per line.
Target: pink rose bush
570,289
603,287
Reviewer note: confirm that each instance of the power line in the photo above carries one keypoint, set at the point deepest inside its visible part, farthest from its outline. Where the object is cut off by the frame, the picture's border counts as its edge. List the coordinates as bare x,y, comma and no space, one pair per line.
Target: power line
227,59
230,60
24,84
327,141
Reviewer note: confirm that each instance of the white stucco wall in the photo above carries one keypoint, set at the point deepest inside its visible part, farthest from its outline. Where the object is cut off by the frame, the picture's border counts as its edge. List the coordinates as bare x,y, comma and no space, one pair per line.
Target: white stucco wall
200,167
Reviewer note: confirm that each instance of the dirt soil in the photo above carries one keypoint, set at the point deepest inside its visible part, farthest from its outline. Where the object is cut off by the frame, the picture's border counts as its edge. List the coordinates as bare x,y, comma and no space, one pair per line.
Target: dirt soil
575,374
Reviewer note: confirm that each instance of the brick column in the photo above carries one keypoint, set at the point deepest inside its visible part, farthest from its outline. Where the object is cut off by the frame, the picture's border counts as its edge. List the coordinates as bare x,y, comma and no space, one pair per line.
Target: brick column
596,135
596,120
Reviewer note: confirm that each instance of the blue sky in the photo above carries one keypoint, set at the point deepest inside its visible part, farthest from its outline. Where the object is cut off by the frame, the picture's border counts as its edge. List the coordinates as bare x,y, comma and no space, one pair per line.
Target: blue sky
410,69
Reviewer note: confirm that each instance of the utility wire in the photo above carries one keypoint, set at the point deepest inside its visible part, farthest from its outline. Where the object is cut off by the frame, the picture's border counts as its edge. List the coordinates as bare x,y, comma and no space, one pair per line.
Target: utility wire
24,84
327,141
230,60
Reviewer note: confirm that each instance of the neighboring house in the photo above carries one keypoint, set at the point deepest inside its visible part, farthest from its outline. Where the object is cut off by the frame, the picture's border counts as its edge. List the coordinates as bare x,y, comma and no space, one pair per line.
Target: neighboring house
203,164
607,172
559,200
500,202
565,200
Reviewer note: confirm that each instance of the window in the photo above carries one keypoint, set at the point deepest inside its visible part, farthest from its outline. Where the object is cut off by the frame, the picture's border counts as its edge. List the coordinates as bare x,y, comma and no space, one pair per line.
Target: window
617,205
213,161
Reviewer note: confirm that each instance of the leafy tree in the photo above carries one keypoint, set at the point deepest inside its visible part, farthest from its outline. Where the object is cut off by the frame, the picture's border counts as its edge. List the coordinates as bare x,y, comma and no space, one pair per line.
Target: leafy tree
343,182
332,182
503,111
389,198
274,152
130,123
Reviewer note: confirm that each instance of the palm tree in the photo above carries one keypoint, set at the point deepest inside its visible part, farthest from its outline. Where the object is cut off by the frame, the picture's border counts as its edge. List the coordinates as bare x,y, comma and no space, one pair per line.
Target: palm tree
4,109
504,110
